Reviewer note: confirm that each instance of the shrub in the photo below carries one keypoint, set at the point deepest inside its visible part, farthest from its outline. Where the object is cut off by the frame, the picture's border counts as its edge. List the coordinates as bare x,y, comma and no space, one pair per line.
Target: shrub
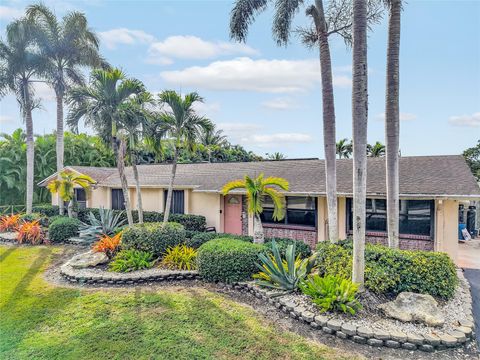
51,219
332,293
108,223
228,260
42,219
131,260
30,232
180,257
391,270
200,238
108,244
282,272
155,238
63,228
9,222
302,249
46,210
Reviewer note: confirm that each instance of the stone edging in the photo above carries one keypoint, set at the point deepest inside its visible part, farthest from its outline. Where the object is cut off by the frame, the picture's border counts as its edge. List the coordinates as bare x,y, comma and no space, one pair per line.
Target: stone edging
463,333
133,278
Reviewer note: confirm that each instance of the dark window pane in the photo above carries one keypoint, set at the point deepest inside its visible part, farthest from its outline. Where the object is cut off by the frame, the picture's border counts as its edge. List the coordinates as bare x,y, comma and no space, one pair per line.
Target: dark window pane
267,217
118,202
301,217
80,195
376,215
416,217
301,202
178,201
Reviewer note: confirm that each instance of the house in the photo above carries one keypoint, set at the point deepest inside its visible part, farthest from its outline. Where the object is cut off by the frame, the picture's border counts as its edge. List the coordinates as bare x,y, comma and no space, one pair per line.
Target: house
431,189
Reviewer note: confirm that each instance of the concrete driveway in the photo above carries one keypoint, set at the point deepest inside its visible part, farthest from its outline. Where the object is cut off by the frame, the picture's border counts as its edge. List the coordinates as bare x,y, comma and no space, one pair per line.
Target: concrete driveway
469,261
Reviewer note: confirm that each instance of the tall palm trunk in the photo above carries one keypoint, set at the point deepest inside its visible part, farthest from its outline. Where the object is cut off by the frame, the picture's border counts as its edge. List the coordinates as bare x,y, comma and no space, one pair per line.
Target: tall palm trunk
137,187
30,147
166,213
120,155
70,208
258,235
359,124
60,145
329,140
392,123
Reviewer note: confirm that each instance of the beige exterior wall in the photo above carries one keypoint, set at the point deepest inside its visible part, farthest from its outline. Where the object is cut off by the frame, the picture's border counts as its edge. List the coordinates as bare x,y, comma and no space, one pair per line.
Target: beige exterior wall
208,205
322,218
446,227
342,218
152,199
99,197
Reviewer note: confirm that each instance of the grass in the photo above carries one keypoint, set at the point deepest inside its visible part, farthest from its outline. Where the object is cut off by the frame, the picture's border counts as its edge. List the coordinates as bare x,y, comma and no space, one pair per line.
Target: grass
42,321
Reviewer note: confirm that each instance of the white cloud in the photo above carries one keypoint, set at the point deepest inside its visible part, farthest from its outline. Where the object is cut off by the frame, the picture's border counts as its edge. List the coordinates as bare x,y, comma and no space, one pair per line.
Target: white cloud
9,13
4,119
238,130
124,36
192,47
44,91
466,120
280,104
246,74
276,139
403,116
207,109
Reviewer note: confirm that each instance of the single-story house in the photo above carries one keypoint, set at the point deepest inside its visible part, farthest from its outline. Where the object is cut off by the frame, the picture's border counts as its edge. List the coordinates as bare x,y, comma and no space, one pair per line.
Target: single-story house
431,189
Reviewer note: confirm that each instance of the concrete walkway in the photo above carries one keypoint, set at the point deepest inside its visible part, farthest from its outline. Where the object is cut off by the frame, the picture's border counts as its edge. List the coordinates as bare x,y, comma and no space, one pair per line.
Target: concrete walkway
469,260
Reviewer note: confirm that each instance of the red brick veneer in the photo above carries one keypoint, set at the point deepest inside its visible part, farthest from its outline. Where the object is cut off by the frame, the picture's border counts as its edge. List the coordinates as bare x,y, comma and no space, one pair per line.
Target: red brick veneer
407,242
307,235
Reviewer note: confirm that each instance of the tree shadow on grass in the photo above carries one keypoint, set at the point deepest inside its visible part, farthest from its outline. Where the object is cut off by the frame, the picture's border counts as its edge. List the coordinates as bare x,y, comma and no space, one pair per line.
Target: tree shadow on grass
6,253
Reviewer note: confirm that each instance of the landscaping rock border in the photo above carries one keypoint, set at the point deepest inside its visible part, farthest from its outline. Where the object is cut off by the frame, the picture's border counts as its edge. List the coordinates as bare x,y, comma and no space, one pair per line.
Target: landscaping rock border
327,323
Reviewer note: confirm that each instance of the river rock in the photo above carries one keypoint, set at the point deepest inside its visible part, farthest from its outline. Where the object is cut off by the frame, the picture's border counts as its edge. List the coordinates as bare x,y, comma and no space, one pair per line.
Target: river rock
88,259
412,307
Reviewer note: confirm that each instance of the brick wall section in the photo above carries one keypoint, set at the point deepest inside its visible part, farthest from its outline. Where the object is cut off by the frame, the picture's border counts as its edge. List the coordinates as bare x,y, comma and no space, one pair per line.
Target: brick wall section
307,236
407,242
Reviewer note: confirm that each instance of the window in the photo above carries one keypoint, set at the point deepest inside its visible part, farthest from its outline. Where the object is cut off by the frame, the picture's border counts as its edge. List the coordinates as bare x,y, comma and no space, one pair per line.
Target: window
81,198
178,201
416,216
300,210
118,202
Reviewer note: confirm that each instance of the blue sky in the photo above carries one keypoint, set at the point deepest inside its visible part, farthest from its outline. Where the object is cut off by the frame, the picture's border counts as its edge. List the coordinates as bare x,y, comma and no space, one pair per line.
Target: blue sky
268,98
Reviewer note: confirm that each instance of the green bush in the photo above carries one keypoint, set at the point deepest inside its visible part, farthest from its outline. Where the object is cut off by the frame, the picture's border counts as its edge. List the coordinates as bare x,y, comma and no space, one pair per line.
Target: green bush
51,219
393,271
46,209
131,260
62,229
200,238
302,249
228,260
332,293
154,238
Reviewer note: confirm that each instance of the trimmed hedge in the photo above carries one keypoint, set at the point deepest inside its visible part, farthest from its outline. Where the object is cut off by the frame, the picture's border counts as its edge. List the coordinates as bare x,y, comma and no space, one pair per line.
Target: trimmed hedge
190,222
62,229
154,238
228,260
393,271
198,239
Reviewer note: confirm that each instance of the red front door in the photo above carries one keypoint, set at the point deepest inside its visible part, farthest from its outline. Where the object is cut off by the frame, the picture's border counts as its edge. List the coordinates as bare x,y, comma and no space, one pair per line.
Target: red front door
233,214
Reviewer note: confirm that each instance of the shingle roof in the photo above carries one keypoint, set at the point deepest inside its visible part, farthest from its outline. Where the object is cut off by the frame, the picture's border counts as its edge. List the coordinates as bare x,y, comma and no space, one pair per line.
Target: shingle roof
419,175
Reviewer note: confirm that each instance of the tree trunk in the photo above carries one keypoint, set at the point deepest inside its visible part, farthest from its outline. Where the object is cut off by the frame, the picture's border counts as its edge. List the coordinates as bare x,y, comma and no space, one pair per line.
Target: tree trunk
392,123
137,187
359,125
70,208
30,148
120,154
329,141
166,213
61,205
258,236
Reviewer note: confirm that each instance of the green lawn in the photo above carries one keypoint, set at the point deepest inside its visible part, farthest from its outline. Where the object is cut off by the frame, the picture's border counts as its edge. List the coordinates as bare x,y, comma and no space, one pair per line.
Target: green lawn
42,321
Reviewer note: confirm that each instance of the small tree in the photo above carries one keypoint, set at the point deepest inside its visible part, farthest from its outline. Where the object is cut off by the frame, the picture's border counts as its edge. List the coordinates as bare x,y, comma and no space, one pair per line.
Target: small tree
65,186
256,190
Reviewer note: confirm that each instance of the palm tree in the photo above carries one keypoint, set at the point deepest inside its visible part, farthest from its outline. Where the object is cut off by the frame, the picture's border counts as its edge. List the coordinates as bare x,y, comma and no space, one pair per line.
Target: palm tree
99,105
211,138
344,149
133,118
65,187
67,46
19,65
180,122
256,189
392,121
336,20
276,156
359,122
376,150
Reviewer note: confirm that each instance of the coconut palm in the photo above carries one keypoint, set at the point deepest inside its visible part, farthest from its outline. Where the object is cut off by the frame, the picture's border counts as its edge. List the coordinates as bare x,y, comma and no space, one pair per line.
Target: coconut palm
344,149
392,121
276,156
335,20
67,46
211,138
20,64
359,124
256,189
376,150
180,122
133,118
99,104
65,186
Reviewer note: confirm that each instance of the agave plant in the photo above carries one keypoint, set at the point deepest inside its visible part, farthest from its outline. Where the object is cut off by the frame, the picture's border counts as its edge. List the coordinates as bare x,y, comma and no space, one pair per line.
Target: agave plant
108,223
283,273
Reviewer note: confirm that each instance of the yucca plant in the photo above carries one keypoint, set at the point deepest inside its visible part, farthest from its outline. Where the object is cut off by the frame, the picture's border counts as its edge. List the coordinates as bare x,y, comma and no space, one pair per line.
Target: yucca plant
30,232
108,244
9,222
332,293
108,224
283,273
180,257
